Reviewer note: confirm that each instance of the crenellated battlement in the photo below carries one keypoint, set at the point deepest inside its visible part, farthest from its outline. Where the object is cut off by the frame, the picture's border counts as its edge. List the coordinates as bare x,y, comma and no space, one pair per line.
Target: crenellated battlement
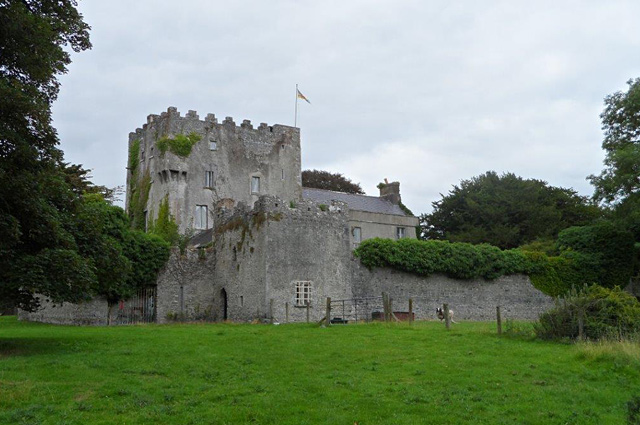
210,121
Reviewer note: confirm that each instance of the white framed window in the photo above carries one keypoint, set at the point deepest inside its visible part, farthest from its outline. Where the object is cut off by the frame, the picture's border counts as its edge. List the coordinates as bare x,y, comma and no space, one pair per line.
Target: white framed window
255,184
357,236
200,221
400,232
208,179
303,293
213,145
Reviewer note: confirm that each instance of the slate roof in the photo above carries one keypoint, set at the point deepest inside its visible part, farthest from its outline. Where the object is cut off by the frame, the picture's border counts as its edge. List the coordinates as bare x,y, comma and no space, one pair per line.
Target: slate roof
202,238
355,202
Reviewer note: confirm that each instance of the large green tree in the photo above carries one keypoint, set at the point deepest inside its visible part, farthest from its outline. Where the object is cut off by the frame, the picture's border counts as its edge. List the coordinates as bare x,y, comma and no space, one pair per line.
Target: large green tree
618,185
620,178
38,249
506,211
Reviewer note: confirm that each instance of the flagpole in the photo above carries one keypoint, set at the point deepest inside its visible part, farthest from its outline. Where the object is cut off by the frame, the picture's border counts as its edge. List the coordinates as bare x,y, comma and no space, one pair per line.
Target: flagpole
295,120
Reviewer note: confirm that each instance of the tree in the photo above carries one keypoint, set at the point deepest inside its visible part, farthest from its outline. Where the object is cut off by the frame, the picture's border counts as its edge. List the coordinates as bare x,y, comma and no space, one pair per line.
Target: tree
603,251
506,211
330,181
38,251
621,125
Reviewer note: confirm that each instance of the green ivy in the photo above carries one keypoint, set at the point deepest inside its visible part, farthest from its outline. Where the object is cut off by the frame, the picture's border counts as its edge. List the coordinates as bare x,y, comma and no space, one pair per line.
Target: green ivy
134,156
164,225
552,275
180,145
139,197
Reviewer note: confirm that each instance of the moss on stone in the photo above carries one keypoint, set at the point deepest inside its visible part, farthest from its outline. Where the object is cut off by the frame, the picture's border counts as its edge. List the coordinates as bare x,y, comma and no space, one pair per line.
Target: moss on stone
180,145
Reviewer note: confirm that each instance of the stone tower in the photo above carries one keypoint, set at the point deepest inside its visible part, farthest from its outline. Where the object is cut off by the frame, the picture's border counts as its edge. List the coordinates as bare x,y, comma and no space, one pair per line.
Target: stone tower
195,165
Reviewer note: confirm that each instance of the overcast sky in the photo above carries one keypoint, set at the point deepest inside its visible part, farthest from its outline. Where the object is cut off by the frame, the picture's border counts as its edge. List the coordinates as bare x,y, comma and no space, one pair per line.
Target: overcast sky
423,92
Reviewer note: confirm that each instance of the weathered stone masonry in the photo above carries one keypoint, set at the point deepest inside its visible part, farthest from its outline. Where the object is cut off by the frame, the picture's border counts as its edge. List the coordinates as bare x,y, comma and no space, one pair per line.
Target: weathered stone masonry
274,240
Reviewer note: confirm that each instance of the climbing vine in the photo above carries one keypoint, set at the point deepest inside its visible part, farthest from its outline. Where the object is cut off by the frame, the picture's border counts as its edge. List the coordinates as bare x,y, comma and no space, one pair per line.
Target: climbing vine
180,145
139,197
165,225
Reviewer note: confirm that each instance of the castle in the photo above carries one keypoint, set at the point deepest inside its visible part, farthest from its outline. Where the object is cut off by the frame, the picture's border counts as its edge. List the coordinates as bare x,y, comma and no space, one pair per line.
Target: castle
231,165
264,247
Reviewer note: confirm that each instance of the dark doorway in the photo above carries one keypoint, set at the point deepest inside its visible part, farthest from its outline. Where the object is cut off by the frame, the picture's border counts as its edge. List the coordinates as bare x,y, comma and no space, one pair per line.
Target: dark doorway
223,297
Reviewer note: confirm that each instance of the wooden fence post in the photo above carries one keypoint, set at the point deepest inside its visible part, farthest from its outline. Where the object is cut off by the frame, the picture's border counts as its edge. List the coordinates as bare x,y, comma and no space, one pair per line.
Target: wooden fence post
328,315
271,310
286,311
447,319
499,319
384,306
581,324
308,304
410,311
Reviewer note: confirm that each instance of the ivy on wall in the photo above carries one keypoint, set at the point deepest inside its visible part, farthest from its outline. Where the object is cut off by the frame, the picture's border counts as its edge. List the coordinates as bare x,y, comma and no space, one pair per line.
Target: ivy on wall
551,275
180,144
165,225
139,197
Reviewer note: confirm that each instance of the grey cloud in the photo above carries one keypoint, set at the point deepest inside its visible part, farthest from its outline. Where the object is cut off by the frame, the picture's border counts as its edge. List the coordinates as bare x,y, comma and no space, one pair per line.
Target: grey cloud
425,92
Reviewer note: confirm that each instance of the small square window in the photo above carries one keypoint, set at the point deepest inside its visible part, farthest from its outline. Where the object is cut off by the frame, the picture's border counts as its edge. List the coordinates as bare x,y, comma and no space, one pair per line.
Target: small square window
400,232
208,179
303,293
255,184
213,145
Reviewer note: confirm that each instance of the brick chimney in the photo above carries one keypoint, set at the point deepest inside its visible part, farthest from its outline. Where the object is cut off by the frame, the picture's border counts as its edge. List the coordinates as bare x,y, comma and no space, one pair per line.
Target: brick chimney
390,191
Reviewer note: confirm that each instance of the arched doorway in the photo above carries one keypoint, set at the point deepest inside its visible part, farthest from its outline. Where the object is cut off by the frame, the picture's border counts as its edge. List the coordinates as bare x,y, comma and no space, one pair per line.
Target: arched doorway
223,298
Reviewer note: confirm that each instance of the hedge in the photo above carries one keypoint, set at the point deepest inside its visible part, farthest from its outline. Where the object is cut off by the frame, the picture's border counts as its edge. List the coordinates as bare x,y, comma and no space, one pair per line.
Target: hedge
552,275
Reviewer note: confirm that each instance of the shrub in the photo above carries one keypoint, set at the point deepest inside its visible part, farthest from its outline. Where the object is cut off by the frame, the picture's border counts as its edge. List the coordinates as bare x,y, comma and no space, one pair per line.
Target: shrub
607,313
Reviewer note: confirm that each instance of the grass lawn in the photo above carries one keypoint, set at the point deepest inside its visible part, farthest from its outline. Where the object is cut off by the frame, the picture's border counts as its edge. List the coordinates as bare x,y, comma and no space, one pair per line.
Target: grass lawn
302,374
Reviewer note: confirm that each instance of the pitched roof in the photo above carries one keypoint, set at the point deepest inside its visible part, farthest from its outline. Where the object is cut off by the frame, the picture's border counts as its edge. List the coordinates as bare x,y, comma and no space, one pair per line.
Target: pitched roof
201,238
355,202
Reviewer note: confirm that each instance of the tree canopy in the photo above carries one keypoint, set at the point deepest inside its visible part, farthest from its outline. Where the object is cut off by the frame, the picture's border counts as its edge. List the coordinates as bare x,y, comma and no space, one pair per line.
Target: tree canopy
506,211
58,236
330,181
620,178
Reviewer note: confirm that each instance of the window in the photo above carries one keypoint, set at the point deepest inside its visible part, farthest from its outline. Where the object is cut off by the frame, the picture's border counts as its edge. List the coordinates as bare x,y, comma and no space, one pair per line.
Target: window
208,179
303,293
213,145
283,174
201,217
357,236
146,221
399,232
255,184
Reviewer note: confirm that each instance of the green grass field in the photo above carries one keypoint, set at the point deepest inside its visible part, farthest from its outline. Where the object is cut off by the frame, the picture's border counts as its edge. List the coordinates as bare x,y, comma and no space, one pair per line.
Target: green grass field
302,374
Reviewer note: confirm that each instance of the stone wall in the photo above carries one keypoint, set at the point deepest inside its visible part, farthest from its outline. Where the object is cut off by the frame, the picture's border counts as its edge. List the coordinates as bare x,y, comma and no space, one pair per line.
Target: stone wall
93,312
474,299
185,287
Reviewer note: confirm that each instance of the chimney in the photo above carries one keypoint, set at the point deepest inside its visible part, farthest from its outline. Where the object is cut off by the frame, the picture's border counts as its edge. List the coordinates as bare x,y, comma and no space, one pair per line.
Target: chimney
390,191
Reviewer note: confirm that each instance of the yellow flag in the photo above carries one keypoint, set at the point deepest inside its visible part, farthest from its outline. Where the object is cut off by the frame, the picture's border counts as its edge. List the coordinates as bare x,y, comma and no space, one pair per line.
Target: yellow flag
301,96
